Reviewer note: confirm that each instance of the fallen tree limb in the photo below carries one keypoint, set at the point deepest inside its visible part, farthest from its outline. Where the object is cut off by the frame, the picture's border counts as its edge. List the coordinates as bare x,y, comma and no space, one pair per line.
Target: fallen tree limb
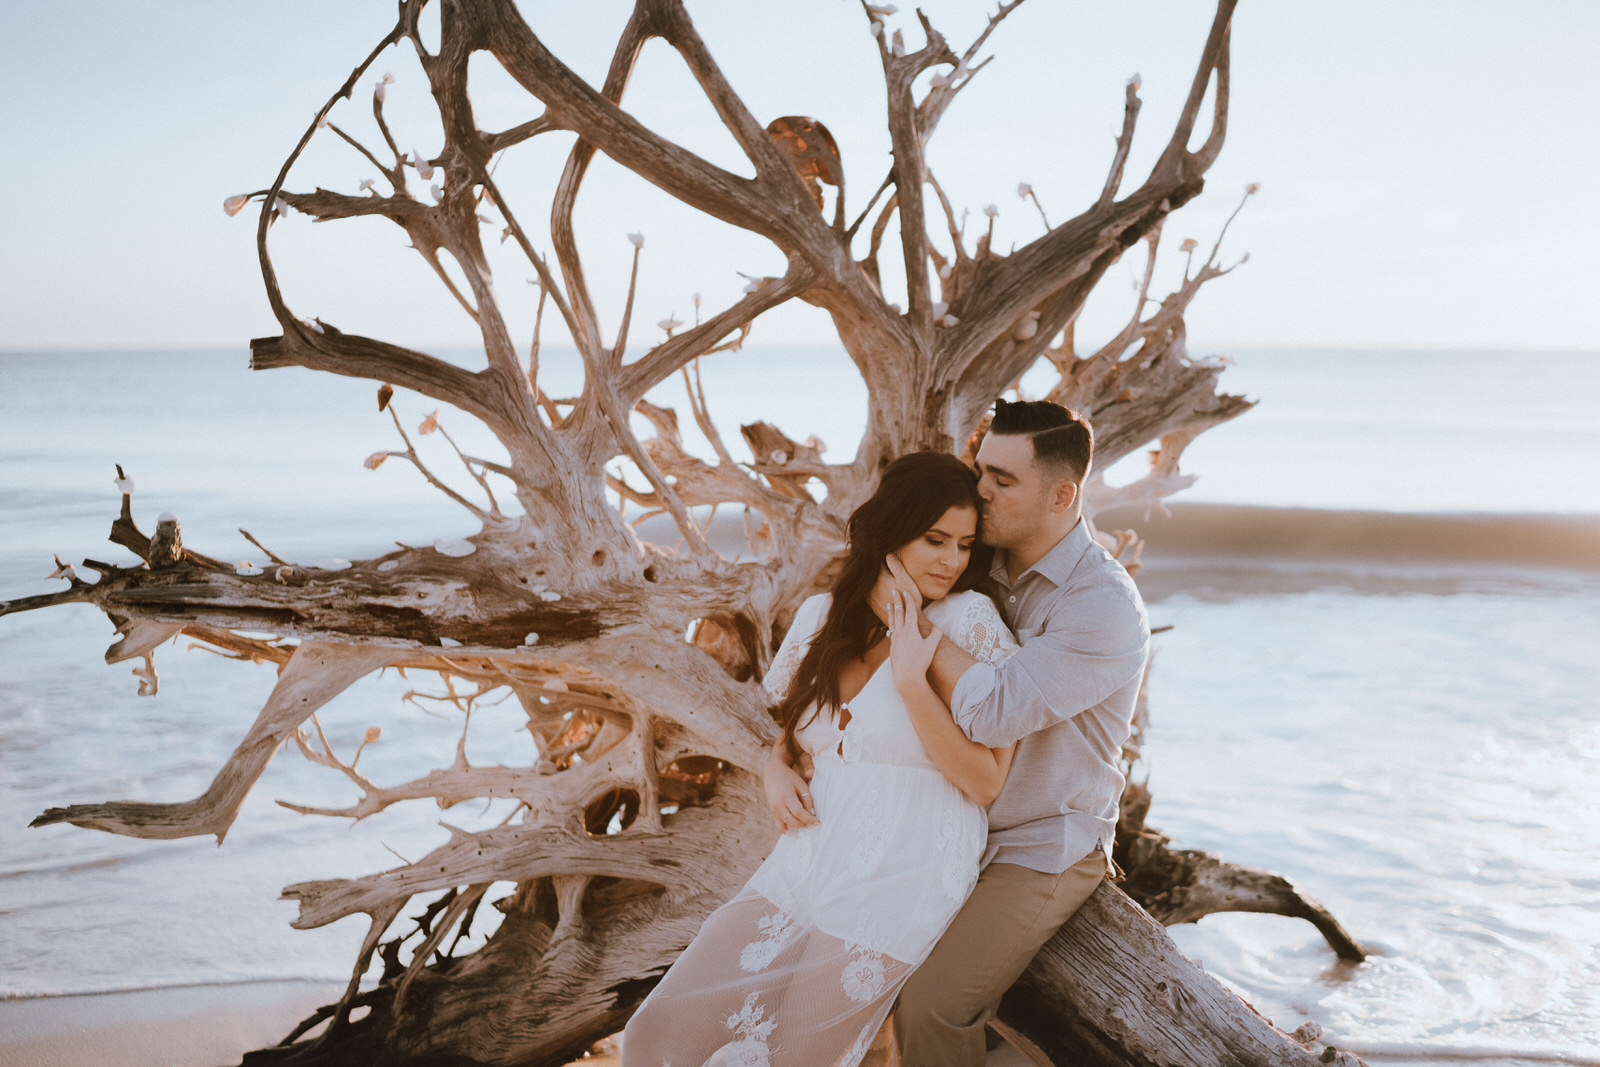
1112,989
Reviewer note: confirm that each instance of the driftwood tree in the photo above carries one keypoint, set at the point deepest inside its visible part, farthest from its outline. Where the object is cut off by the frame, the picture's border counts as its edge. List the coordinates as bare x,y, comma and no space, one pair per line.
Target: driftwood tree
643,810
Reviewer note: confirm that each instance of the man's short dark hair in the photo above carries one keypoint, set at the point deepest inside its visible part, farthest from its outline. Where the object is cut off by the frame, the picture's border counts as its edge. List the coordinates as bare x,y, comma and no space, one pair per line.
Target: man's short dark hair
1063,441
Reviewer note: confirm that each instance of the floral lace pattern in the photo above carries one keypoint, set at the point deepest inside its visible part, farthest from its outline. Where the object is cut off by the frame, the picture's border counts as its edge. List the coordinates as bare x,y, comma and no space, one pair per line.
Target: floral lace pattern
753,1030
871,839
981,631
862,978
807,622
820,1000
863,975
776,930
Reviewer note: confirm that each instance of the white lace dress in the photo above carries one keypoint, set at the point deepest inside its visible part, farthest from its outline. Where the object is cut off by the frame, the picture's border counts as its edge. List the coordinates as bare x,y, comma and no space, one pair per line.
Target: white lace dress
802,965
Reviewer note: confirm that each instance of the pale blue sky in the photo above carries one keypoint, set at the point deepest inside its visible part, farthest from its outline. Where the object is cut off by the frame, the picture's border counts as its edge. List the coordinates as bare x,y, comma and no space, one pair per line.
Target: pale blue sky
1428,169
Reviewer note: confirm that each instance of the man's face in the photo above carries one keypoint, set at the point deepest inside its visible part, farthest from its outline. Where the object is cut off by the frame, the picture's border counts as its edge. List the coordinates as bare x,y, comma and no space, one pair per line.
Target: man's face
1016,494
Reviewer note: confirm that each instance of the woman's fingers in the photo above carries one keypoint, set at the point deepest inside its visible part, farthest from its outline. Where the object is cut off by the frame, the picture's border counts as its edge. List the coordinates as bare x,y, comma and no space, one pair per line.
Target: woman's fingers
902,578
901,615
788,792
792,815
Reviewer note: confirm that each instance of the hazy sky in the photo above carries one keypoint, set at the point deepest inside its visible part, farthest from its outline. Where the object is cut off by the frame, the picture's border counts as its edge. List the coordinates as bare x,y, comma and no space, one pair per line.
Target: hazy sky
1428,169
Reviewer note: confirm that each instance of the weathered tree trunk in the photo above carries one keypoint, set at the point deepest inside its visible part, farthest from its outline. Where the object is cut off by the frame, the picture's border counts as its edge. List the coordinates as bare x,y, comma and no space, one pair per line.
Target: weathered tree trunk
643,810
1111,988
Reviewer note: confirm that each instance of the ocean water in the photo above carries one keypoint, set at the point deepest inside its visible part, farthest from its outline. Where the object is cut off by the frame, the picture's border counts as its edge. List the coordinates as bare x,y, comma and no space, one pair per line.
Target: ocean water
1407,431
1415,744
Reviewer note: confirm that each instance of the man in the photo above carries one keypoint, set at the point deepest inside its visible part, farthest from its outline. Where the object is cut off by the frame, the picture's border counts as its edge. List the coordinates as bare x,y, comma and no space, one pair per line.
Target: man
1067,697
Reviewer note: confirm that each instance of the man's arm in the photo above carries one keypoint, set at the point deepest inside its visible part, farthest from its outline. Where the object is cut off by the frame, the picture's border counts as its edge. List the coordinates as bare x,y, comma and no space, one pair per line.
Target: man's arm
1089,648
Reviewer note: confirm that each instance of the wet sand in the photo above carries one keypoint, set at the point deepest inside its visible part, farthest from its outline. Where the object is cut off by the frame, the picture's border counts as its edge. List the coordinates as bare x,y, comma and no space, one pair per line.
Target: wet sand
193,1026
183,1027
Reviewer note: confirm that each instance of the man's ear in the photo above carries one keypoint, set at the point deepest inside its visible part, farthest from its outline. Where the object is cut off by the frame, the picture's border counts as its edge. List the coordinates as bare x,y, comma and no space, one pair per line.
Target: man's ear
1065,495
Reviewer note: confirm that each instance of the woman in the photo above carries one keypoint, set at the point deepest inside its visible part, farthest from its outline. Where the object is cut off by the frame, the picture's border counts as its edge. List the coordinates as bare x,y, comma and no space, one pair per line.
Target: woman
803,964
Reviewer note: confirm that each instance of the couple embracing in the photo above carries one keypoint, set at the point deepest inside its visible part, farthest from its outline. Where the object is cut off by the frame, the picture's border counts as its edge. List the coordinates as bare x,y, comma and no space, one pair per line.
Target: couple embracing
947,780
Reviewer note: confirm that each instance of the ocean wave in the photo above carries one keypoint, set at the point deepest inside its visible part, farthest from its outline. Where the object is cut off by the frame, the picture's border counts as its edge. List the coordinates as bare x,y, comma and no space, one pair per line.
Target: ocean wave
221,984
1383,1052
1309,547
1568,542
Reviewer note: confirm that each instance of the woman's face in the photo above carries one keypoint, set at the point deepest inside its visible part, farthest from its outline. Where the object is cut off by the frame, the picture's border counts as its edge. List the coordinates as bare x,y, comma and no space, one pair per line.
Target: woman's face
937,558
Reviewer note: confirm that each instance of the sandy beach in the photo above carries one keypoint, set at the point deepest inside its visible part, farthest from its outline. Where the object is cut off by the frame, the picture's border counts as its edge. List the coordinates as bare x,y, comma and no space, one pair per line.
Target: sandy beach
183,1027
209,1026
194,1026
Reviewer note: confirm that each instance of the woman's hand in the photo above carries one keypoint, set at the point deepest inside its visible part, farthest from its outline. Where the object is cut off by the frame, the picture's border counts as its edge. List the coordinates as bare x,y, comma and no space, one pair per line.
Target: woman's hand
910,649
788,790
891,576
975,769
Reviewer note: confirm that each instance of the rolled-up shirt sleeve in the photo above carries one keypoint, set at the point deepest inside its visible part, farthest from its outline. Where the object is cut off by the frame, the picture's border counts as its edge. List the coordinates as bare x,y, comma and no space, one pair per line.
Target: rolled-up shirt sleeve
1093,644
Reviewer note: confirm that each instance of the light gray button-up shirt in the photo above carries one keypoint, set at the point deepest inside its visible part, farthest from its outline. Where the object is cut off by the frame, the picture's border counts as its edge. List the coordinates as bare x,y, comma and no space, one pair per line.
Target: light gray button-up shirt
1067,696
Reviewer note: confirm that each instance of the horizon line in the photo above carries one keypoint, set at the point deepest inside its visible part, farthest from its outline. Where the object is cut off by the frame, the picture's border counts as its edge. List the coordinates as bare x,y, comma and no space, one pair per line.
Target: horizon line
1205,351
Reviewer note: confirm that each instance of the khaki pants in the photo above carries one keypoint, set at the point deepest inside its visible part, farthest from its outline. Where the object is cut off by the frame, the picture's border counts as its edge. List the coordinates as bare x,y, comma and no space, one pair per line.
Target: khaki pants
940,1016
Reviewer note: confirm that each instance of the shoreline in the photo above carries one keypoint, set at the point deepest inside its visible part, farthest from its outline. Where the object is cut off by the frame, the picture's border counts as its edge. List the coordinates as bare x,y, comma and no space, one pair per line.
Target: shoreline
170,1026
174,1026
190,1026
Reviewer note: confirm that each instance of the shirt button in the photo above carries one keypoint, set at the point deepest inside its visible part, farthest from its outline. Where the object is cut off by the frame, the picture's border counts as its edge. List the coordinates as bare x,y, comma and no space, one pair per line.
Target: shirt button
1013,600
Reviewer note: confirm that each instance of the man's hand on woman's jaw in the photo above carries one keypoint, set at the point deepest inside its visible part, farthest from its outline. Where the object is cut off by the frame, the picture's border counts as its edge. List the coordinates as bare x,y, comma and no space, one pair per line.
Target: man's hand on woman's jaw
788,790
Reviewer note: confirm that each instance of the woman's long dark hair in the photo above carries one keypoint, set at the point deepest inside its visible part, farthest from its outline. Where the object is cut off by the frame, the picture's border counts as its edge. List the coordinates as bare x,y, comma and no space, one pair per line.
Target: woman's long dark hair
915,491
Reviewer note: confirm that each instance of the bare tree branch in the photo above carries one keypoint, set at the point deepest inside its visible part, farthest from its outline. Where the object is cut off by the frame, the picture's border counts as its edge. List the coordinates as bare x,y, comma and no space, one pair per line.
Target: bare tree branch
1130,117
1171,168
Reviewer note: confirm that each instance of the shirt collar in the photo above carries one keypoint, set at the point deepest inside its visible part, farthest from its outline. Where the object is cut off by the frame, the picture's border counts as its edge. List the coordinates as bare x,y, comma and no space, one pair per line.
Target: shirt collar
1056,565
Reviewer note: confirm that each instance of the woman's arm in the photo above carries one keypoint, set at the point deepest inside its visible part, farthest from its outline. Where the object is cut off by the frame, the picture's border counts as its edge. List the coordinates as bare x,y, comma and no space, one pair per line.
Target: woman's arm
786,783
977,770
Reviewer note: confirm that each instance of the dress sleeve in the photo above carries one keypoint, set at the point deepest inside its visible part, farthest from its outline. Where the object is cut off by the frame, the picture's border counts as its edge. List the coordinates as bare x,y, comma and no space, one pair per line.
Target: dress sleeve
980,631
807,622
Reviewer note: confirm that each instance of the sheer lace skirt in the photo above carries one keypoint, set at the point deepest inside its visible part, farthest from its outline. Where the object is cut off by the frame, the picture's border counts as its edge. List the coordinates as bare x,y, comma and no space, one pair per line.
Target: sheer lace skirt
801,967
758,988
